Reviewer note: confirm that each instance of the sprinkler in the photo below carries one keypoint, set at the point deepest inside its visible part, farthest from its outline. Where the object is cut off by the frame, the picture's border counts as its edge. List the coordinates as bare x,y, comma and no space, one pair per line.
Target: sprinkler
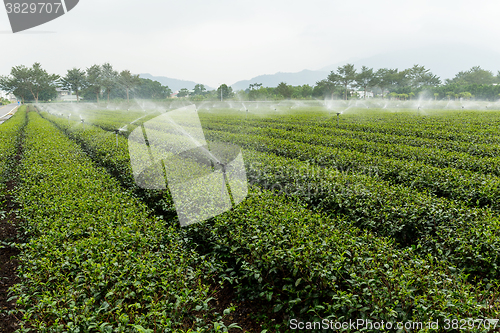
116,133
225,182
338,114
83,123
68,118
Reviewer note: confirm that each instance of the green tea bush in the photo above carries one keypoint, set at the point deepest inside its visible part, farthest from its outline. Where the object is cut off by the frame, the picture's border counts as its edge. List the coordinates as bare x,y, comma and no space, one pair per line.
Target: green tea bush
97,260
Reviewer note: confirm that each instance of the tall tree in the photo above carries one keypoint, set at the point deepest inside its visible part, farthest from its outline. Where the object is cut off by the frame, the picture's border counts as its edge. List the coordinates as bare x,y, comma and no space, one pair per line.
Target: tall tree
199,89
365,79
128,81
184,92
332,81
149,89
224,92
94,79
40,80
17,83
284,90
75,80
347,75
475,75
324,88
386,78
109,78
306,91
421,77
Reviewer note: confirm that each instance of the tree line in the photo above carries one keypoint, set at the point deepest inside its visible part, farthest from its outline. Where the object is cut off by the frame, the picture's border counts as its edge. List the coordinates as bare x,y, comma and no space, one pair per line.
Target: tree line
346,82
36,84
99,81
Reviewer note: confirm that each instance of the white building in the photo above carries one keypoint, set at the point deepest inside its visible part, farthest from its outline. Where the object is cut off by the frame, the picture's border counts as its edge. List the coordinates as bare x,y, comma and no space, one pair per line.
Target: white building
361,93
61,93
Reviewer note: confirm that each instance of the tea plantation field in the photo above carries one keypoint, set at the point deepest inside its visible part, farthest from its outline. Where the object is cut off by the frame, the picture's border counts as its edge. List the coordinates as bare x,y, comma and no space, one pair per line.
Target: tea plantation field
382,217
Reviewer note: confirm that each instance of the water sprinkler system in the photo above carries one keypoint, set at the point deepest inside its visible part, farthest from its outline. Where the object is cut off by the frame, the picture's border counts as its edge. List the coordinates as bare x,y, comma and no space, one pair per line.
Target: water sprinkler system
83,123
116,134
338,114
225,183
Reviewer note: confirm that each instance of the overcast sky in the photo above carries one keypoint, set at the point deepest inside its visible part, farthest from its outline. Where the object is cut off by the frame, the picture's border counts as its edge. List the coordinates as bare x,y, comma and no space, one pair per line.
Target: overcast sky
224,41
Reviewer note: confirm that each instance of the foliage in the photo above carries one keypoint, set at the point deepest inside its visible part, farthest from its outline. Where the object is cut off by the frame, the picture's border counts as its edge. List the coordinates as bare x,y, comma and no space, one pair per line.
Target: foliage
184,92
284,90
96,259
224,92
30,83
109,78
149,89
354,263
128,81
475,75
94,79
75,80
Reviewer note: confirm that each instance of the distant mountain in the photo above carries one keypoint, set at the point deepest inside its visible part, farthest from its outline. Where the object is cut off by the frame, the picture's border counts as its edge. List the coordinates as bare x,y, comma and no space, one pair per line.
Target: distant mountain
444,60
173,84
294,79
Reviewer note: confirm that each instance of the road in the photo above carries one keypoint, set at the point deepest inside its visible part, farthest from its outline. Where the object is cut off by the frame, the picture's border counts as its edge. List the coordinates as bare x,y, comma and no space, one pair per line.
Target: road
5,111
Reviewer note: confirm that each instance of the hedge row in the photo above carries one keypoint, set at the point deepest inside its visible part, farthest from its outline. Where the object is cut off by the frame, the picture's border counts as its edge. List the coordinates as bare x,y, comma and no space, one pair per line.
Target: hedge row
433,156
395,211
9,136
474,189
313,266
96,259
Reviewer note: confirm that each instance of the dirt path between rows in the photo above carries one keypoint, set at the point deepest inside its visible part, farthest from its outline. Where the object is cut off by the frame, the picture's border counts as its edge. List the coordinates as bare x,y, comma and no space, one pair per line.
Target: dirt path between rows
8,262
9,233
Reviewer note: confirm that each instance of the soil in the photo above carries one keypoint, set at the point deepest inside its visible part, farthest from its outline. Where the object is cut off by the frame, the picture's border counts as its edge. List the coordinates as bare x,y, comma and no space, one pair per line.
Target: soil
8,262
245,312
